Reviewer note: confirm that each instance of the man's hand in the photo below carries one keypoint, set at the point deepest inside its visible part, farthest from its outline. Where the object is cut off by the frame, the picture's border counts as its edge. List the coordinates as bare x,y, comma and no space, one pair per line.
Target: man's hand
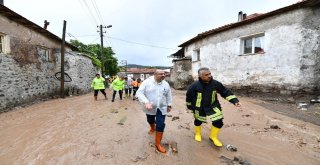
238,105
148,106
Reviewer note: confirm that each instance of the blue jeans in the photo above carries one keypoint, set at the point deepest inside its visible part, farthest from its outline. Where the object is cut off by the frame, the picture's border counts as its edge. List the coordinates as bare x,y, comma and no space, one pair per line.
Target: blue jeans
157,119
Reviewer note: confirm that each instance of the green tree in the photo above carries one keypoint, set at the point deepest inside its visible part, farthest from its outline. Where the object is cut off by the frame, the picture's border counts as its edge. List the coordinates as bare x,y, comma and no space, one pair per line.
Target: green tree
93,51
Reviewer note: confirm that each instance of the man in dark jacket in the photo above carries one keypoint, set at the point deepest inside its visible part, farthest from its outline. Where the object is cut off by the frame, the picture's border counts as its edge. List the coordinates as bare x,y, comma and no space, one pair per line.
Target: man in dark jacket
202,99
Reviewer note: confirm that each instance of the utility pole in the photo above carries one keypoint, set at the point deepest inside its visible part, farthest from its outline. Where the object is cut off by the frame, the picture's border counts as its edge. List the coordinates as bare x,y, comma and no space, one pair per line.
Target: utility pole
101,51
101,48
124,62
62,59
126,69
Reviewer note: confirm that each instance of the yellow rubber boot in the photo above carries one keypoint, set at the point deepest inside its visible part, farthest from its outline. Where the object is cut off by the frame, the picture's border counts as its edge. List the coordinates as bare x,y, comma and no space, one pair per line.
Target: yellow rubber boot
197,133
214,136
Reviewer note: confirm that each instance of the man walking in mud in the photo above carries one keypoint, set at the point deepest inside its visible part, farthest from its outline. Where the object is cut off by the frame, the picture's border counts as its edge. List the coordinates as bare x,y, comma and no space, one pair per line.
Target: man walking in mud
98,85
155,94
117,86
201,98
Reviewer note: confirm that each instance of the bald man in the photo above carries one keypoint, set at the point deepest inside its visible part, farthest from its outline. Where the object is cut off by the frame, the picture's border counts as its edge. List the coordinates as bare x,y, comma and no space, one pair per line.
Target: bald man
155,94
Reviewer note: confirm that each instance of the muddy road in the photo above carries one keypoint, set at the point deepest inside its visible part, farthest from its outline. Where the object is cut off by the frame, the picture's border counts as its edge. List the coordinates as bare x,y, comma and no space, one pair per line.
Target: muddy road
79,130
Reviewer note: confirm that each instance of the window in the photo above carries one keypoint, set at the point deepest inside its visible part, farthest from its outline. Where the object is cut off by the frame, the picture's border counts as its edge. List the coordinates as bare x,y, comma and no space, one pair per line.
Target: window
4,43
196,55
44,53
253,44
142,76
1,43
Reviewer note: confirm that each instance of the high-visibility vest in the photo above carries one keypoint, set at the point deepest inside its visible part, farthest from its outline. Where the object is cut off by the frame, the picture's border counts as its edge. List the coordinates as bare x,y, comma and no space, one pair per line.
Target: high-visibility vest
98,83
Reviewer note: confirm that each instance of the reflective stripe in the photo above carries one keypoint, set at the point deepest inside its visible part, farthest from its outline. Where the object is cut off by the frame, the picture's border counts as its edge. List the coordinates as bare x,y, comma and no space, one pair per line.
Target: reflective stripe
218,114
198,117
199,98
213,97
188,103
230,97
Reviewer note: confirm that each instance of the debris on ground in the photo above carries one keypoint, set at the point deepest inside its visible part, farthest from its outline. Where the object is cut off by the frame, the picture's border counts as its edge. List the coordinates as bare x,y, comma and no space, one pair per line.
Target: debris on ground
225,160
315,101
235,161
114,111
122,120
185,127
247,115
240,160
302,106
231,148
139,158
274,127
175,118
174,147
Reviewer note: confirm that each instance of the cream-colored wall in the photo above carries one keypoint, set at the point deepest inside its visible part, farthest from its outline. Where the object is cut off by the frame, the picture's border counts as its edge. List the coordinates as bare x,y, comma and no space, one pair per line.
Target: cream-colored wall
289,61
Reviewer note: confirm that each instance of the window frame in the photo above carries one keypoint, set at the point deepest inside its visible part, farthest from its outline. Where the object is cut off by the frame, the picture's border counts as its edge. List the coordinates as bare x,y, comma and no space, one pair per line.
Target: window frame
196,55
3,43
46,52
142,76
253,38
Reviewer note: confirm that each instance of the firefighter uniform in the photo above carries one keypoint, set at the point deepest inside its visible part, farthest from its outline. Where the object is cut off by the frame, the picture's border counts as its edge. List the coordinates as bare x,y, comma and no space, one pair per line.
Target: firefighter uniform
202,99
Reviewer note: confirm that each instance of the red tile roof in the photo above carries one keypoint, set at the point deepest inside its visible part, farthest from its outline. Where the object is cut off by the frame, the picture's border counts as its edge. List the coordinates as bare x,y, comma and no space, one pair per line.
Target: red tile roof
141,70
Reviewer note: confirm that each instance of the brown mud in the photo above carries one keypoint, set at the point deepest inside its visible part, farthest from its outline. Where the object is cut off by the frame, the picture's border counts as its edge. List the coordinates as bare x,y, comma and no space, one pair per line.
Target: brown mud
79,130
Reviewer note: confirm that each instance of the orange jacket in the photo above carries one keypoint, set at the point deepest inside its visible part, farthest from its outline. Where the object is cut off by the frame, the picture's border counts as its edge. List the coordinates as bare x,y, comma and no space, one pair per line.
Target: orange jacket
135,84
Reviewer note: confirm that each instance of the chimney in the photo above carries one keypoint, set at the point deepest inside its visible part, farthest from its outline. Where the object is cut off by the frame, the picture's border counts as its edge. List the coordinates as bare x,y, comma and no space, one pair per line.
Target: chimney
240,16
1,2
244,16
46,23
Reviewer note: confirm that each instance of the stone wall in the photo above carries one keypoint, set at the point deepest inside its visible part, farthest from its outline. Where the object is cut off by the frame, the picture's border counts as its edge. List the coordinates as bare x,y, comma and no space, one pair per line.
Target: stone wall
180,75
22,83
30,61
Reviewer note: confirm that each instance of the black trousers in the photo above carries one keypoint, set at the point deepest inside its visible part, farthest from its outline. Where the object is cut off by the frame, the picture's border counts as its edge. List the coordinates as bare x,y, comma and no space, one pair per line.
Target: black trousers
114,94
217,123
101,90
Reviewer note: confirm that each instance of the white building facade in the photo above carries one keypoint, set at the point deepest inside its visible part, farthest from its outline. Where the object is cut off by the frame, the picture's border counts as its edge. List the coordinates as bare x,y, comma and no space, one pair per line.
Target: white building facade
278,51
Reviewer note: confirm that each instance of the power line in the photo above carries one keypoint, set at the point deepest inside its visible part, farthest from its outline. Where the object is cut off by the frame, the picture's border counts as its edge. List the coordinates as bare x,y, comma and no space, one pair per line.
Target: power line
107,40
94,4
132,42
90,12
94,40
87,14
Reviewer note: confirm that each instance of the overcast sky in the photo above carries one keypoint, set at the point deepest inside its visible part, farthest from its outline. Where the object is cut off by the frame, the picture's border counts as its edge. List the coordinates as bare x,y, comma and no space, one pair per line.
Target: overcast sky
143,32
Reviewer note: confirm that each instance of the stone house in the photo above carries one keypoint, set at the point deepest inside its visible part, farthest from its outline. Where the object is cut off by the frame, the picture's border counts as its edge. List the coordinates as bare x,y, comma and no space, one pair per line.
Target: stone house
142,73
278,51
30,57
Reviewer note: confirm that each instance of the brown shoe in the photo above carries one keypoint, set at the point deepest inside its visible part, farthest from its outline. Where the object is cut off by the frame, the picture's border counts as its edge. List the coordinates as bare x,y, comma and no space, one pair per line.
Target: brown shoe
158,139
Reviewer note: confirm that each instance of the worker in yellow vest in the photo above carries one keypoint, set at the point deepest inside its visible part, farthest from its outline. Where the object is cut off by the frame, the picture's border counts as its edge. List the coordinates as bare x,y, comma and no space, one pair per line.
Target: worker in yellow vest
98,85
118,86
